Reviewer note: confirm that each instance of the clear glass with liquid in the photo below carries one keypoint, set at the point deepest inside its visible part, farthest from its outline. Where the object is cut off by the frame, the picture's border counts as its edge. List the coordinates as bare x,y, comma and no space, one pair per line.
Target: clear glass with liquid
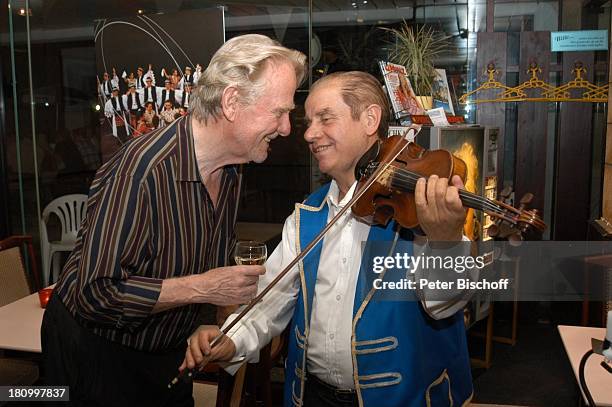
250,253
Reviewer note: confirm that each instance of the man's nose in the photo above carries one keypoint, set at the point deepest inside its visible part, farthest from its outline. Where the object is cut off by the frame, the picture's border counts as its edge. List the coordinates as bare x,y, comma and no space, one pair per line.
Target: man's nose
311,133
285,127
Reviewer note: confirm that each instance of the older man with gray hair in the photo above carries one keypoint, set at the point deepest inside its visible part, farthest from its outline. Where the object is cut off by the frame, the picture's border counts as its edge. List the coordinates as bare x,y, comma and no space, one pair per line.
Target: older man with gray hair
159,233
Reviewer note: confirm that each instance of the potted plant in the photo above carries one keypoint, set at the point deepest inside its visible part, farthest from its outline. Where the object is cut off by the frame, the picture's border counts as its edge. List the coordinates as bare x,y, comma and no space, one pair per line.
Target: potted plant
416,48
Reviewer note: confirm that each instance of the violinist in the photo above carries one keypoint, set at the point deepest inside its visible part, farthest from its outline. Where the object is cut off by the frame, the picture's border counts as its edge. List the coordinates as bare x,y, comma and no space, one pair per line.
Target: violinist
416,351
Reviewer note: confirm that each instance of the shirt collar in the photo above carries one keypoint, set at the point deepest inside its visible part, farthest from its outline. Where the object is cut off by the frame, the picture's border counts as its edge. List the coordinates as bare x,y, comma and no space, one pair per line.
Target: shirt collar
332,195
187,164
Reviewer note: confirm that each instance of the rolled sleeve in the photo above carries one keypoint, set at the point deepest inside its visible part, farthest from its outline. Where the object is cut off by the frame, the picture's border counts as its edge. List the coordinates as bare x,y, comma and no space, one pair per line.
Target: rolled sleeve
140,295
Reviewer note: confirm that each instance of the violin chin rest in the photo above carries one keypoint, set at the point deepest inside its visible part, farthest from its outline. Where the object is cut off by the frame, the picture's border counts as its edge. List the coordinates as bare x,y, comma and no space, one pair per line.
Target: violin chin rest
366,159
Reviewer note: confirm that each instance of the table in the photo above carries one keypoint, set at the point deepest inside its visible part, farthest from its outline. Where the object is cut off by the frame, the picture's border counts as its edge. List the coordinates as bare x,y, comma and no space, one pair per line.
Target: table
577,340
261,232
20,323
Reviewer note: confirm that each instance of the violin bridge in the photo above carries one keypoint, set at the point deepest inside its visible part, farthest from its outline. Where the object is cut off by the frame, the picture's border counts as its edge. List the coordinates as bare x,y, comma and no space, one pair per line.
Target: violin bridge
386,177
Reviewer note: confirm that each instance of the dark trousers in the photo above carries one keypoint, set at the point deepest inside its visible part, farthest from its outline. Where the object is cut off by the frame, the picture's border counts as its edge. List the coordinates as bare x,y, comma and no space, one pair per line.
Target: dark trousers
320,394
103,373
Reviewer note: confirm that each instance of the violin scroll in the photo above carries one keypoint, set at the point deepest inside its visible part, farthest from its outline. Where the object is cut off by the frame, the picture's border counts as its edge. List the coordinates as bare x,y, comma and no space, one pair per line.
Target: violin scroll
526,225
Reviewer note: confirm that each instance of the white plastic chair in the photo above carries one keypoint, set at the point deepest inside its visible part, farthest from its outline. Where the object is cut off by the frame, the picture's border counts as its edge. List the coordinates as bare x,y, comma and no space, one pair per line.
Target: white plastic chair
70,210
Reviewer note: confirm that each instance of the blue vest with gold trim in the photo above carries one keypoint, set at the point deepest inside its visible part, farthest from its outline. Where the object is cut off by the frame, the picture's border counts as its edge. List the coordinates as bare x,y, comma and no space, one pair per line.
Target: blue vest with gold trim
401,356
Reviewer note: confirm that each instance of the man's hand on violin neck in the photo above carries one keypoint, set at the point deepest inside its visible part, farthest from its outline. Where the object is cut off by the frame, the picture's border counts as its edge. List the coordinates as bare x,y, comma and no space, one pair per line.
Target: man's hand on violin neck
439,208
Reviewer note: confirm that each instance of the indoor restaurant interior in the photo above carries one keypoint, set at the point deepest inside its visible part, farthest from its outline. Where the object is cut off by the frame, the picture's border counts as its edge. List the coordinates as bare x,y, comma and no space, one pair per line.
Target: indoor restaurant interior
517,91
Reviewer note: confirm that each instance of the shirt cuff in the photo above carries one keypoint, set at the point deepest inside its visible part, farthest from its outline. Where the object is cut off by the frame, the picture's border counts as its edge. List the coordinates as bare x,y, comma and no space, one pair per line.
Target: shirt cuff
140,294
240,356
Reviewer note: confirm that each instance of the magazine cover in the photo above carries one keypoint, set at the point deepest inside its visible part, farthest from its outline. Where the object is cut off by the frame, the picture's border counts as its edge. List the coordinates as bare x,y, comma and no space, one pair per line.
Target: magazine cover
441,93
403,99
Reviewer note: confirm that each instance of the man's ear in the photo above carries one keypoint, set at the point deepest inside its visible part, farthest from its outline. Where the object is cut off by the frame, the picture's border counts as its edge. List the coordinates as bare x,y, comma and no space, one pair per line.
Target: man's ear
230,102
371,118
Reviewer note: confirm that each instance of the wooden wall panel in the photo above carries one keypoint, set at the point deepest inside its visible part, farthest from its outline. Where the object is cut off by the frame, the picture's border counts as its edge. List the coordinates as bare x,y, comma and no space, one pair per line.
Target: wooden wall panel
531,136
573,158
492,48
606,203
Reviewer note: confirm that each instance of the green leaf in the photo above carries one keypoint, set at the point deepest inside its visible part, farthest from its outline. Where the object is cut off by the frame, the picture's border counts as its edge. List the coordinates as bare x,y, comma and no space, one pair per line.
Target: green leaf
416,48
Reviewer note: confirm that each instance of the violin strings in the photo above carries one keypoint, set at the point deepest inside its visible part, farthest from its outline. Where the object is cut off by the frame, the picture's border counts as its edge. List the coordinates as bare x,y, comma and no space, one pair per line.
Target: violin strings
466,196
407,179
468,200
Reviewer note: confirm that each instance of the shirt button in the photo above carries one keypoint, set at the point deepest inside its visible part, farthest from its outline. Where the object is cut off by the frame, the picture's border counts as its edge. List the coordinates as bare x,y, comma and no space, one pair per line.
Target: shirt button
344,260
331,336
338,297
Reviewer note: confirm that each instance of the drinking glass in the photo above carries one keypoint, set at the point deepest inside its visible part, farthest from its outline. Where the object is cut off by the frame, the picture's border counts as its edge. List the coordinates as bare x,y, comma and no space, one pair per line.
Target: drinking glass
250,253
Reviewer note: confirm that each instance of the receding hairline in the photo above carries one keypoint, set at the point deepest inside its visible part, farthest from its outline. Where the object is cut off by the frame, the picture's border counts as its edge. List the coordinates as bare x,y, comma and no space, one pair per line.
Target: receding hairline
275,61
328,83
273,64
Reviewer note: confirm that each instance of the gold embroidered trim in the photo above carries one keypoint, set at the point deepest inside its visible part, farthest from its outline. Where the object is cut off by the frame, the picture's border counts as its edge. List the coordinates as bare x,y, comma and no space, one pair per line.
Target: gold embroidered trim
300,339
358,315
299,372
298,249
311,208
469,400
397,380
296,401
391,346
438,381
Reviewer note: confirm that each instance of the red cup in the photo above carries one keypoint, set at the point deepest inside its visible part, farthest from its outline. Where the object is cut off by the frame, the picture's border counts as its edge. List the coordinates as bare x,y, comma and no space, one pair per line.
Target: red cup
44,296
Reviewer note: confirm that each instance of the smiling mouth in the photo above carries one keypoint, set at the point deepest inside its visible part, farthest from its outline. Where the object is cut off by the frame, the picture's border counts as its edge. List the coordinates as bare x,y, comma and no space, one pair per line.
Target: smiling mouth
268,139
319,149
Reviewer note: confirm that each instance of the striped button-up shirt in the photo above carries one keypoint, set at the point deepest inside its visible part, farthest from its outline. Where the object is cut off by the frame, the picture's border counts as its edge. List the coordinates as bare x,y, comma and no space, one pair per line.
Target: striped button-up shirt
149,217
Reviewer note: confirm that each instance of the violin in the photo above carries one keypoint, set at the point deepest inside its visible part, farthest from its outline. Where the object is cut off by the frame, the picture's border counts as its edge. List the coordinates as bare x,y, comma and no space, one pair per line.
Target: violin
392,195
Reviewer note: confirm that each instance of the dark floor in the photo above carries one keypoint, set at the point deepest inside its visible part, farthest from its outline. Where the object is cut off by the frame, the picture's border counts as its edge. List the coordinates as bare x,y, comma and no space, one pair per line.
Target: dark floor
536,371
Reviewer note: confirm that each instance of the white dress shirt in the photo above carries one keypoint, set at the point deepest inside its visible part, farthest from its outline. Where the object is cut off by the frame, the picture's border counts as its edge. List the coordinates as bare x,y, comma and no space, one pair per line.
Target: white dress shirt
109,110
329,344
136,97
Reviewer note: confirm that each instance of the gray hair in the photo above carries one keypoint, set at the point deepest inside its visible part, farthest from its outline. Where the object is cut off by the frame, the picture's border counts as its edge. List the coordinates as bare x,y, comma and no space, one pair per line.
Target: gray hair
240,62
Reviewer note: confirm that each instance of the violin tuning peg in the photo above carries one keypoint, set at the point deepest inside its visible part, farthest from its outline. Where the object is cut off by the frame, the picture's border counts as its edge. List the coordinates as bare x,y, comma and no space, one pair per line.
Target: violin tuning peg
505,193
526,199
493,231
